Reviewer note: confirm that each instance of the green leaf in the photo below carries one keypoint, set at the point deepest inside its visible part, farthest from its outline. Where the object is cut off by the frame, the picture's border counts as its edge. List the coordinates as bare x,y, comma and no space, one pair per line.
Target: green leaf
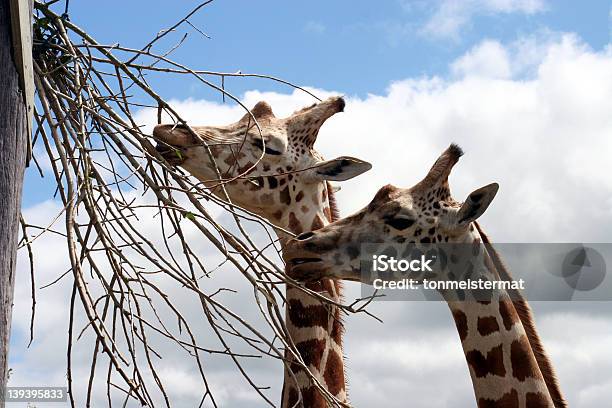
189,216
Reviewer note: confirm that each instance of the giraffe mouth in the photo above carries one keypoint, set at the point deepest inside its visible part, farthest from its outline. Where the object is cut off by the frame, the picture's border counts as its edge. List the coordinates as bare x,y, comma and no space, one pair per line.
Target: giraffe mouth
172,140
305,269
302,261
172,154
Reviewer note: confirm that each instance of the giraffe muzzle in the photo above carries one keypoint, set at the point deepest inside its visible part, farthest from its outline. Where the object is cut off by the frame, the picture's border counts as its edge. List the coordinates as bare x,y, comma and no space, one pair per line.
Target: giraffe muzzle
302,265
305,269
172,154
171,142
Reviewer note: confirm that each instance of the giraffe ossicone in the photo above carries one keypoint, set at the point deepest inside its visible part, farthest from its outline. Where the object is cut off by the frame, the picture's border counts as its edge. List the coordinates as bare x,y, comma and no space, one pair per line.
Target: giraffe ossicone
270,167
507,363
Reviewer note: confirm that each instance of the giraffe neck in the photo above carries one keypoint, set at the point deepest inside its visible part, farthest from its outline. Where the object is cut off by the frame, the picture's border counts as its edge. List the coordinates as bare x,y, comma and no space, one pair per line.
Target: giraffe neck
315,328
502,364
526,316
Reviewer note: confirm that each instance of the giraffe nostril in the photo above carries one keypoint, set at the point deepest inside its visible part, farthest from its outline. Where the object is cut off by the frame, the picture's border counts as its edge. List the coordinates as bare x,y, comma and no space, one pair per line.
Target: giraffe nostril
304,236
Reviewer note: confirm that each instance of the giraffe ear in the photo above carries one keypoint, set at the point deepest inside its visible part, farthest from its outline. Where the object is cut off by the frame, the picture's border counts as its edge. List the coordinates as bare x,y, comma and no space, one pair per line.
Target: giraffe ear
476,204
339,169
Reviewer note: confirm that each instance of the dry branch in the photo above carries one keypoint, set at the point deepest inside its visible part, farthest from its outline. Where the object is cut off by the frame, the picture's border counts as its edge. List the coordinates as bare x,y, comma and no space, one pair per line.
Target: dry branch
109,178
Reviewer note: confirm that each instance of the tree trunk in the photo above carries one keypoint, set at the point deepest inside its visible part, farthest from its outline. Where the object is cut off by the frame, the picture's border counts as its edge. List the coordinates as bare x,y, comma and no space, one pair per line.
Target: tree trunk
13,137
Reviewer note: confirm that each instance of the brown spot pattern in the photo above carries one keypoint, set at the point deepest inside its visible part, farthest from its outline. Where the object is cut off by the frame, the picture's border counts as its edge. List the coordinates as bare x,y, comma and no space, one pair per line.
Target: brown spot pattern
492,364
523,361
247,168
229,160
311,398
461,323
293,397
536,400
294,224
311,352
333,371
307,316
487,325
508,314
285,197
508,400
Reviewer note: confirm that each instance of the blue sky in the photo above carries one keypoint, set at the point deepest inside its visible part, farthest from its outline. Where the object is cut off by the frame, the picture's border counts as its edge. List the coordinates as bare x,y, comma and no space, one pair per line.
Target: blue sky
356,47
351,47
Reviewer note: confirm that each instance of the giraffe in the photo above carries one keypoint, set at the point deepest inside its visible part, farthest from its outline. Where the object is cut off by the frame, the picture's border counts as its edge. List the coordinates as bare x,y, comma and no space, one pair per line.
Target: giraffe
288,184
507,363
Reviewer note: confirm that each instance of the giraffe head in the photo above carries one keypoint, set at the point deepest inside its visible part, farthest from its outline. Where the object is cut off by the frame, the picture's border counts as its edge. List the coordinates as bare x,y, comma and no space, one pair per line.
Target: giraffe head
423,214
272,170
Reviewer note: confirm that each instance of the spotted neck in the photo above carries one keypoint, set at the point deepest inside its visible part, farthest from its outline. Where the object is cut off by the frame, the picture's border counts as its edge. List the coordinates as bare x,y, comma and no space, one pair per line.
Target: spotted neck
315,327
526,316
502,364
503,368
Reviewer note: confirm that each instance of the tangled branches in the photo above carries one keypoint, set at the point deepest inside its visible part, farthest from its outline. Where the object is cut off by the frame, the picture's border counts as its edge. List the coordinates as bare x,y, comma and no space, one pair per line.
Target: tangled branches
136,228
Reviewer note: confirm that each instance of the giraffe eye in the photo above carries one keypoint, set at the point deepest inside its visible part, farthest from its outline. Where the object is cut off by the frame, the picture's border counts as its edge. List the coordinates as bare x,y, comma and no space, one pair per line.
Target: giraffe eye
399,223
258,143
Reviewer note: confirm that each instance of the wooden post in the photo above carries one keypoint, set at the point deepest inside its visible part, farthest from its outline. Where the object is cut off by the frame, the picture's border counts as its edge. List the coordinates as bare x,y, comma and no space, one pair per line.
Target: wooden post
16,95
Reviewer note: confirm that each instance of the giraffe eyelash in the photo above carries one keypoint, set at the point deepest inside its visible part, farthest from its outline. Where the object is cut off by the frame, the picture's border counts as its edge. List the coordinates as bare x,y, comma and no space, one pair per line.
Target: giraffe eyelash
259,144
400,222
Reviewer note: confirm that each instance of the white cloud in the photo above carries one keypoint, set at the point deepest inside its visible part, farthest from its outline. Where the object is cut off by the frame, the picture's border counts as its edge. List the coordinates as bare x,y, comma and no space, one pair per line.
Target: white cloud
488,59
545,139
451,16
538,123
519,59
